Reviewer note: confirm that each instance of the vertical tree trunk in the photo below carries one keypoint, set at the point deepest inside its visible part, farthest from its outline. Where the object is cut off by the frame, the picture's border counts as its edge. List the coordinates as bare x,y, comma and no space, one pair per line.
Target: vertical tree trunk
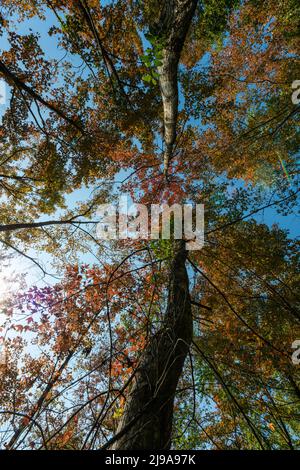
172,28
148,415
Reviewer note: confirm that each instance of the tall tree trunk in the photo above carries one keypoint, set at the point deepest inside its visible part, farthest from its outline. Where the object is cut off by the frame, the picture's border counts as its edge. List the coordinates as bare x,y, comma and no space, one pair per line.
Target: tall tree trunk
172,28
148,414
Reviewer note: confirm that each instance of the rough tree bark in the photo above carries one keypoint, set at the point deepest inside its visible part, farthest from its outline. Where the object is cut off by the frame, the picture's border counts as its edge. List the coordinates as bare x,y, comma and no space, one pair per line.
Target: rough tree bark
148,414
172,28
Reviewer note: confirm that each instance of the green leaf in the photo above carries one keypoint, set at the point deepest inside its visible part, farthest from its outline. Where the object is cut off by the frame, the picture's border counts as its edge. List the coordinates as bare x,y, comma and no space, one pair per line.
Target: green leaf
147,78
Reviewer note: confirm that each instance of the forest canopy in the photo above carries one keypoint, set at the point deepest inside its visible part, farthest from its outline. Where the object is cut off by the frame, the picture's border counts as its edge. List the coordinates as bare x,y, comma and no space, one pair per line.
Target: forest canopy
141,343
